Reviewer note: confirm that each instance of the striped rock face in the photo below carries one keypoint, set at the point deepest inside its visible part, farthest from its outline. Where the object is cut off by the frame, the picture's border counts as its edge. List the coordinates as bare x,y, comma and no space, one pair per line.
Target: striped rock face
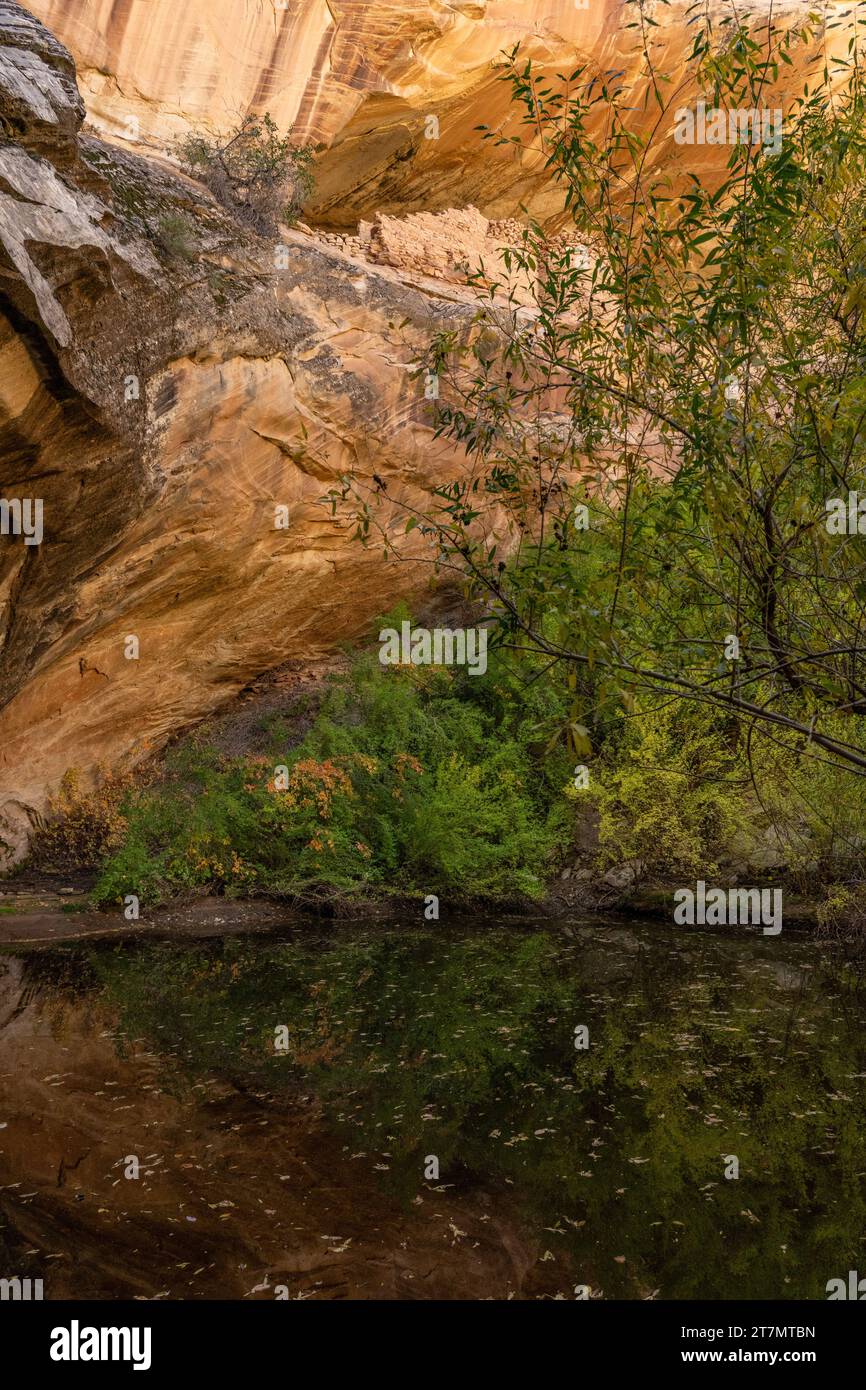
170,420
395,88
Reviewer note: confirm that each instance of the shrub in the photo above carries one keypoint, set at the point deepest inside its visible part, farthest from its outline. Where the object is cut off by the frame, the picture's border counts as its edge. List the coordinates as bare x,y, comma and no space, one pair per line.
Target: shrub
81,827
842,914
406,777
816,814
669,792
255,172
177,237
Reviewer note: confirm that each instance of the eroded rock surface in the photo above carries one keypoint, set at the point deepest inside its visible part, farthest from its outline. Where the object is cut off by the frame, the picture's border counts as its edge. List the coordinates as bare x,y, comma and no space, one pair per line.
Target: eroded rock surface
170,381
395,88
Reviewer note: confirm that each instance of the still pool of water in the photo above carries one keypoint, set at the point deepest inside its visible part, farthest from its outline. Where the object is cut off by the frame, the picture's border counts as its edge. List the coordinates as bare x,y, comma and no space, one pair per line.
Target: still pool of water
311,1172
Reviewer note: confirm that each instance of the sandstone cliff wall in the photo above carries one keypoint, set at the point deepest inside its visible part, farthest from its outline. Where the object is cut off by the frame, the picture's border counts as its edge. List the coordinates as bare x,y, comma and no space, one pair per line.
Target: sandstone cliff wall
366,76
166,384
163,393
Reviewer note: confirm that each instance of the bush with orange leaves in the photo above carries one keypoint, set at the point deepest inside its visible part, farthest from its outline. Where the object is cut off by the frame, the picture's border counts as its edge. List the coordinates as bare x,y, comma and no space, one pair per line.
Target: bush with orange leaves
313,812
313,785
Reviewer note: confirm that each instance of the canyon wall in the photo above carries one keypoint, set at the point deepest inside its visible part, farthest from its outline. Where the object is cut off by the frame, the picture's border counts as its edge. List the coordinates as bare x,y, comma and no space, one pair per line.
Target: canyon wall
169,383
395,89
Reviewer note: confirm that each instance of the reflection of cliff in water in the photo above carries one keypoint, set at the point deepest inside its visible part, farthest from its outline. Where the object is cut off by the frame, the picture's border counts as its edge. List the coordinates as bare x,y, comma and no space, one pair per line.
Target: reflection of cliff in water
238,1192
557,1166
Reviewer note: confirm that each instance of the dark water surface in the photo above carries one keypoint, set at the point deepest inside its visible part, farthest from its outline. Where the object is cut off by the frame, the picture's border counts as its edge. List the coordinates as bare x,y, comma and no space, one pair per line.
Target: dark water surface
301,1174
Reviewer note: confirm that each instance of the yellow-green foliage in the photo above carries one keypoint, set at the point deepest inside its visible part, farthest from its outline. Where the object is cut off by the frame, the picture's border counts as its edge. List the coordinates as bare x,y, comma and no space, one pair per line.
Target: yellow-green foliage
843,911
81,826
816,808
669,792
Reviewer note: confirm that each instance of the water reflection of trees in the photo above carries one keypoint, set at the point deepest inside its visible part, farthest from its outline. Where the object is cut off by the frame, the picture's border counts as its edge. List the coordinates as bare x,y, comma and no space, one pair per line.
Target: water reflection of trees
463,1047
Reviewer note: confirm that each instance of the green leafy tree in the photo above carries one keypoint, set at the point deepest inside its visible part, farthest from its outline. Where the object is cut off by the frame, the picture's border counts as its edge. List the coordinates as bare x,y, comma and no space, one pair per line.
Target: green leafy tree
654,444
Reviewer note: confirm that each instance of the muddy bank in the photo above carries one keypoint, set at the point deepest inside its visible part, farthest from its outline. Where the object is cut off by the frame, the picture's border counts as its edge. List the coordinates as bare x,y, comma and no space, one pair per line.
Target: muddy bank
40,907
31,917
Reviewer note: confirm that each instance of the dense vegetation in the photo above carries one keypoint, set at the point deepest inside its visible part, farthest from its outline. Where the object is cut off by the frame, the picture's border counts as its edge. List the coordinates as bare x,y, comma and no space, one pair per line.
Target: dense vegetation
673,432
421,779
426,780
